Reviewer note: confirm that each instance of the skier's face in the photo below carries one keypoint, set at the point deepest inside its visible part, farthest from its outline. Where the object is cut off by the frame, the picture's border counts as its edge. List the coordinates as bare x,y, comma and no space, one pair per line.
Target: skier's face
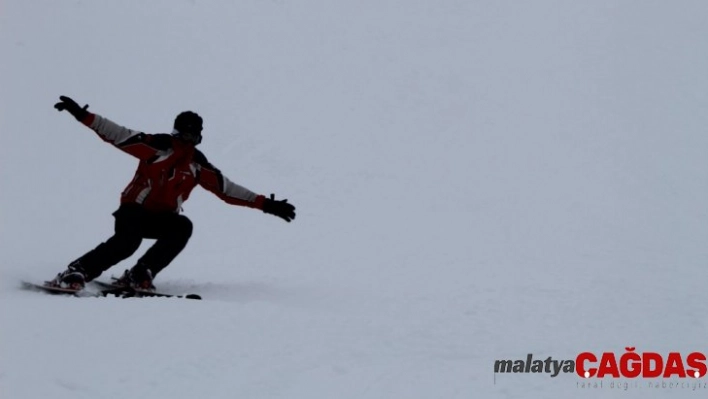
189,126
192,136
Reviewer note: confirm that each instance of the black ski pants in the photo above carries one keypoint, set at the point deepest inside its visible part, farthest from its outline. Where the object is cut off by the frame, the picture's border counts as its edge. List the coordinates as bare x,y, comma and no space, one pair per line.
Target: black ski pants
133,224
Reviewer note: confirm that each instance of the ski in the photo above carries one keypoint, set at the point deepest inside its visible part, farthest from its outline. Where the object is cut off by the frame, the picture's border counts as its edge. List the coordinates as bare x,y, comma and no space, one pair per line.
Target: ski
56,290
108,289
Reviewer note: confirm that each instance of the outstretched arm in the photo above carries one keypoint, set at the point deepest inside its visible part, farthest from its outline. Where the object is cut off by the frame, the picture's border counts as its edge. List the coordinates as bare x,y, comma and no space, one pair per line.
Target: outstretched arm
214,181
211,179
138,144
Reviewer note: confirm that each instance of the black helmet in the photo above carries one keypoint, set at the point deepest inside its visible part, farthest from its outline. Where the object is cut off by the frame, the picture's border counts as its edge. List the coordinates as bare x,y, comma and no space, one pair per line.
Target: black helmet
188,127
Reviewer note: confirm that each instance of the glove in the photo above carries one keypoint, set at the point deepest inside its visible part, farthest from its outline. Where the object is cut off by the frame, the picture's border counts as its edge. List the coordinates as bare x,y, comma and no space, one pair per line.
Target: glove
72,107
280,208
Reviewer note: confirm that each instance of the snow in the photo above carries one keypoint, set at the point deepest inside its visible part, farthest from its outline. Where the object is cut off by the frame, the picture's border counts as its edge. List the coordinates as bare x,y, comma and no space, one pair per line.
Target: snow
474,181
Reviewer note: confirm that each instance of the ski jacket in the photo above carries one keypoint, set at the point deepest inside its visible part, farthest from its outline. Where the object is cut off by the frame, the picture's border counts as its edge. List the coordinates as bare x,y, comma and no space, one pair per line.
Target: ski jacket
168,169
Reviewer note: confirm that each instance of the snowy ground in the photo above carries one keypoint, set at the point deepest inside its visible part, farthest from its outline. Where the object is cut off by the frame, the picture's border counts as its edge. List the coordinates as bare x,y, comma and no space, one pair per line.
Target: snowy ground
474,181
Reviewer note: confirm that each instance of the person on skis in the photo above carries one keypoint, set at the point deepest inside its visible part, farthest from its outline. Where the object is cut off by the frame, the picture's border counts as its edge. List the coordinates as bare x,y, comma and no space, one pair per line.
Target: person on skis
169,168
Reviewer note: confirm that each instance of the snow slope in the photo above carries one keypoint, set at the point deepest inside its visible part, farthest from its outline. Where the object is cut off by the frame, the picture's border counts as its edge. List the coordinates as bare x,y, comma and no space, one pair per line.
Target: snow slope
475,180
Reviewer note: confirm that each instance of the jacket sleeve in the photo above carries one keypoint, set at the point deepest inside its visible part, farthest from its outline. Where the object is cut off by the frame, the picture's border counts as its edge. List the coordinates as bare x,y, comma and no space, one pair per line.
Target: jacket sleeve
212,180
138,144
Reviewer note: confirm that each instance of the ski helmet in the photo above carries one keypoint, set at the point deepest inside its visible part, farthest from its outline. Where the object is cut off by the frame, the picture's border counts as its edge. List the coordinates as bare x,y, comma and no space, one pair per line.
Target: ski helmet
188,127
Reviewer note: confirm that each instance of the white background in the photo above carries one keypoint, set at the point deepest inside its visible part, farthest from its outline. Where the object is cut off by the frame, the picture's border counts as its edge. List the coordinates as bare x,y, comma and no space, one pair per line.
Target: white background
474,180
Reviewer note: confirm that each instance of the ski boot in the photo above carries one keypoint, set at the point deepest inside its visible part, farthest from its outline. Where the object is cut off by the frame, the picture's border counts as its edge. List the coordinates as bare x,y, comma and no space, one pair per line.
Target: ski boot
73,278
136,278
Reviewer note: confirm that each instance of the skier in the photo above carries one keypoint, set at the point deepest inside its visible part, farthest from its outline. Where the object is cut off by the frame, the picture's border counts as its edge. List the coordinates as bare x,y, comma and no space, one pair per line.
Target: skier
170,167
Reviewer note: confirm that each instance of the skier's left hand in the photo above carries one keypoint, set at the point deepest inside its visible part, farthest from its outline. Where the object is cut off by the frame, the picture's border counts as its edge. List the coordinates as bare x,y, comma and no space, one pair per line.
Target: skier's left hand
281,208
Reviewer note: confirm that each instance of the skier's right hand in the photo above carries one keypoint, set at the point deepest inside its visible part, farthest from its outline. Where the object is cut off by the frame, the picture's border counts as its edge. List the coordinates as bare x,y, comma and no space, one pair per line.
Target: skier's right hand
66,103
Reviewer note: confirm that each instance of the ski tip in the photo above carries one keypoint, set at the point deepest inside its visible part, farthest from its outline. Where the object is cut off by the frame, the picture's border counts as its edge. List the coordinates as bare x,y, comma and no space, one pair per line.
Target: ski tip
193,296
51,289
